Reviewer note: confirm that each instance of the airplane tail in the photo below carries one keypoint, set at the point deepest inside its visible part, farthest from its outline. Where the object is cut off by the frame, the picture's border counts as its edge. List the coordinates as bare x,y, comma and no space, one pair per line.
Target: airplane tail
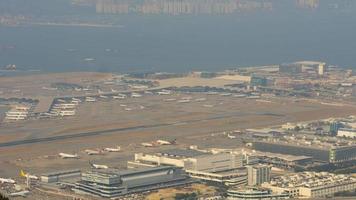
91,164
22,173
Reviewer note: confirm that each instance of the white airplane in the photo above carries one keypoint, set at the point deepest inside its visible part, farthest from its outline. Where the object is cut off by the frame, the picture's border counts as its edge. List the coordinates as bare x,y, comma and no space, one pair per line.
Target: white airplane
253,97
146,144
90,99
240,95
76,100
61,100
187,98
49,88
208,106
100,92
225,94
142,107
148,92
92,152
231,136
165,142
184,101
96,166
128,109
7,180
118,97
117,149
27,175
122,95
112,90
136,95
65,155
78,89
103,96
211,93
19,194
164,92
138,86
168,100
123,105
200,99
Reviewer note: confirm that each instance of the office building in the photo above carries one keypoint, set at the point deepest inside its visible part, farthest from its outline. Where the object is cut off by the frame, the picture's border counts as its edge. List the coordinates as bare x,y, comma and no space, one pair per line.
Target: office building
334,127
258,174
254,193
110,184
258,81
303,66
311,184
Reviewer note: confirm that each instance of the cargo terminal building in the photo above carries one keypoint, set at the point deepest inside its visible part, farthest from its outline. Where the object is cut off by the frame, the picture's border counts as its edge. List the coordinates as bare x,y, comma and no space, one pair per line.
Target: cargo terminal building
331,154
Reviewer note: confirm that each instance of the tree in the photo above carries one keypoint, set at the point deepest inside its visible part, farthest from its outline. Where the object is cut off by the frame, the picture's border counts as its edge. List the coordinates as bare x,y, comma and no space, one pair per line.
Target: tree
2,197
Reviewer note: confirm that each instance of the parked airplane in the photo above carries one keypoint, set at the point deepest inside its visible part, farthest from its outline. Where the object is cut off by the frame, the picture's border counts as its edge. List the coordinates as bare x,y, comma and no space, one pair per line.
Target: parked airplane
122,95
212,93
148,92
253,97
164,92
61,100
231,136
165,142
118,97
225,94
146,144
90,99
19,194
168,100
65,155
240,95
208,106
113,149
49,88
112,90
200,99
96,166
7,180
27,175
76,100
100,92
183,101
103,96
92,152
136,95
128,109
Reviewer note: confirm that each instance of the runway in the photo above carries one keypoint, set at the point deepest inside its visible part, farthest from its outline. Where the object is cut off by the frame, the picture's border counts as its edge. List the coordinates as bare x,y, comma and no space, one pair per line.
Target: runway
103,132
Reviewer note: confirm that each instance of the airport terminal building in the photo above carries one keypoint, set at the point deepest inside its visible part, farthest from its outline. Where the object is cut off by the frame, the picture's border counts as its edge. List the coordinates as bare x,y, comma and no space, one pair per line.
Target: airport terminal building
331,154
110,184
224,168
